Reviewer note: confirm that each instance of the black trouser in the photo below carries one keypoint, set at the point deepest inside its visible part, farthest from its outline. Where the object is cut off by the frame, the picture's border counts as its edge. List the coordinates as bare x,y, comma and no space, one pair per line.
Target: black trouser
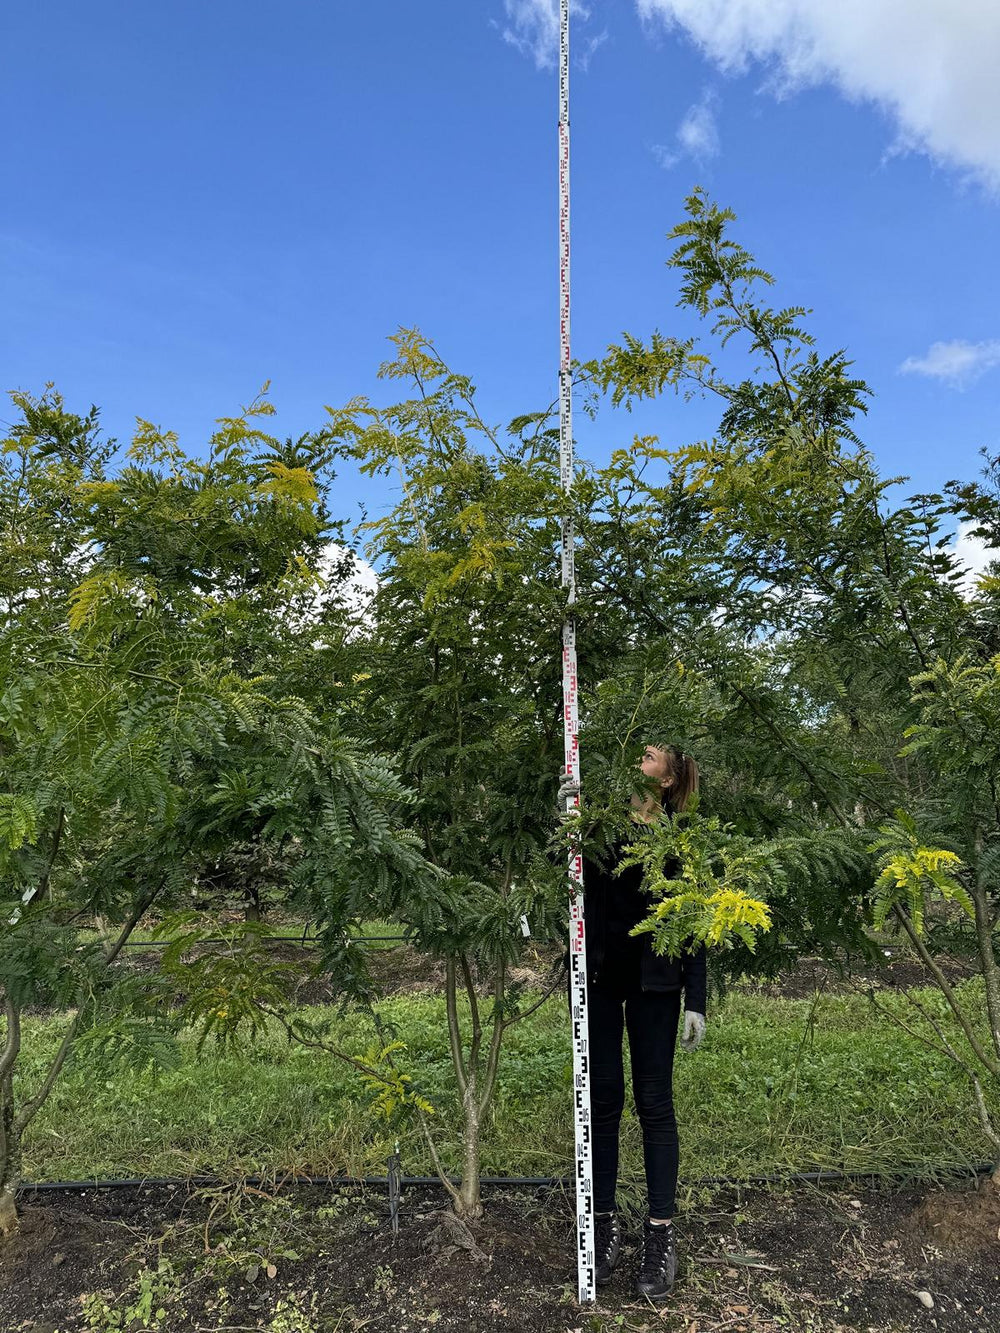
616,1002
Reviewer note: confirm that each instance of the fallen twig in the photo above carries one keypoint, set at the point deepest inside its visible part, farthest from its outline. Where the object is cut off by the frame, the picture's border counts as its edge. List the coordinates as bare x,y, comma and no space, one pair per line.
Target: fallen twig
728,1259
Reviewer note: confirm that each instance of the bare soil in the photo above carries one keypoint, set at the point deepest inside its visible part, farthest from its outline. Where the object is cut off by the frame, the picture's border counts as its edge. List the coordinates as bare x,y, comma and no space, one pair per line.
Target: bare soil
899,971
401,969
822,1260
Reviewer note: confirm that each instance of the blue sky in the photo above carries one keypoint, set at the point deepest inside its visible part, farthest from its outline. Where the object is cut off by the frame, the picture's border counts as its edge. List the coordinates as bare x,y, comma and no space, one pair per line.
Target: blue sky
200,196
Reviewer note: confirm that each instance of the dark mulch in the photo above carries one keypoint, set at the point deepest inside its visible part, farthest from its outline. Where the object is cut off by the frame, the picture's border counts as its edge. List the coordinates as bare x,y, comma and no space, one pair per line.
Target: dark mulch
821,1260
899,971
402,970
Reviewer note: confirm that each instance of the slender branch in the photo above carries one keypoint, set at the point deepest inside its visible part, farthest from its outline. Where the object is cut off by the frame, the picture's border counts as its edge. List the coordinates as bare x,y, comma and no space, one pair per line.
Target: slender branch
945,1049
477,1027
524,1013
31,1107
918,648
316,1044
454,1032
438,1167
12,1045
797,758
425,1128
984,1117
139,910
992,1065
129,671
43,885
984,939
499,1027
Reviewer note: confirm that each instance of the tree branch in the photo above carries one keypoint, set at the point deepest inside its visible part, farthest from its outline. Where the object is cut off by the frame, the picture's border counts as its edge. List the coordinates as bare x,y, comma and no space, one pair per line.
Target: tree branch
454,1032
992,1065
12,1045
524,1013
477,1029
31,1107
499,1027
316,1044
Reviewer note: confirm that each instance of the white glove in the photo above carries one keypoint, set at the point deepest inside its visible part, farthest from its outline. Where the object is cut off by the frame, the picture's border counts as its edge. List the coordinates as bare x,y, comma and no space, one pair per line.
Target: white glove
569,789
694,1030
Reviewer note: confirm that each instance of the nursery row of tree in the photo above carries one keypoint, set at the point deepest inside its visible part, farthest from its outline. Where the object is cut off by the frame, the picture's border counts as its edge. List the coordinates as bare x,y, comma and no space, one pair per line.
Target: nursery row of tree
200,707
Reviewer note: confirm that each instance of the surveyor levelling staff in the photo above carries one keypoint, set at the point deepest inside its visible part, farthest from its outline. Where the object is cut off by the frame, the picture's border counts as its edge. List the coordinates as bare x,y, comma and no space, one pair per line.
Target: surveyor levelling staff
631,988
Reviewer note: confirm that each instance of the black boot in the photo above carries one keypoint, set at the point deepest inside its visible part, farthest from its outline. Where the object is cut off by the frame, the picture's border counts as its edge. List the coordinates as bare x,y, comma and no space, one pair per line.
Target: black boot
658,1267
607,1245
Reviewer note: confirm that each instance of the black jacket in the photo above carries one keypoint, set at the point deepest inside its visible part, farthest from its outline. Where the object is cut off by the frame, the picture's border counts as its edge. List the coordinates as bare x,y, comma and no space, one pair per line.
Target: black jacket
612,904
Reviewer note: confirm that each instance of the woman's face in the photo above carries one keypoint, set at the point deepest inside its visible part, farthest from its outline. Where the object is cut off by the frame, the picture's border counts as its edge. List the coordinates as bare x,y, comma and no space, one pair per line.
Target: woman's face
654,764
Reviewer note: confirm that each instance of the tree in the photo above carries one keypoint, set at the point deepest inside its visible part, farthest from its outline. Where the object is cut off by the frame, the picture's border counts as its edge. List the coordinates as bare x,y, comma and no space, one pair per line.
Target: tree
145,730
463,685
845,686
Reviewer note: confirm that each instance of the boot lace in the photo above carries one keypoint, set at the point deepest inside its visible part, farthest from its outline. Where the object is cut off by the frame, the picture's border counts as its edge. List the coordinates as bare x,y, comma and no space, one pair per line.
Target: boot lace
607,1231
658,1244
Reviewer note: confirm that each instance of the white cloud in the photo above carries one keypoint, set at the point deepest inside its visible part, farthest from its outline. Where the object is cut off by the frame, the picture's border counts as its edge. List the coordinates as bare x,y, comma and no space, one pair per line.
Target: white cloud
533,28
974,554
590,45
958,363
929,64
356,592
697,135
345,581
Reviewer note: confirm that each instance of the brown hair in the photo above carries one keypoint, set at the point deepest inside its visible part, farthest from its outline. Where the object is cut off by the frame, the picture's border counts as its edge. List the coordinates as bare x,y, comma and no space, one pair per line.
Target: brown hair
684,771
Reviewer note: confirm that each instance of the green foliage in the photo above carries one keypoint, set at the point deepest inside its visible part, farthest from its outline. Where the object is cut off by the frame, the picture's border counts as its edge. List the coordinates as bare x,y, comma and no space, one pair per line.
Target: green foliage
389,1090
42,961
716,885
461,660
845,671
228,976
149,724
196,710
145,1306
907,869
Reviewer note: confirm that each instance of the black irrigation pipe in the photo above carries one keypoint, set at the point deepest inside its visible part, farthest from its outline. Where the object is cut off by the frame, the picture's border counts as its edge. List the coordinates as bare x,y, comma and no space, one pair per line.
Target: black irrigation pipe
268,939
378,939
510,1182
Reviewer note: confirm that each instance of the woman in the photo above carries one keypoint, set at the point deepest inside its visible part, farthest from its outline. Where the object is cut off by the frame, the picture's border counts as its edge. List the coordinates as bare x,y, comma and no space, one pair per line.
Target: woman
631,988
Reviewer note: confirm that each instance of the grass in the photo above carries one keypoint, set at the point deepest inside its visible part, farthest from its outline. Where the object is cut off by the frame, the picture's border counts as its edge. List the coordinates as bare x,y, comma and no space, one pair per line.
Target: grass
778,1085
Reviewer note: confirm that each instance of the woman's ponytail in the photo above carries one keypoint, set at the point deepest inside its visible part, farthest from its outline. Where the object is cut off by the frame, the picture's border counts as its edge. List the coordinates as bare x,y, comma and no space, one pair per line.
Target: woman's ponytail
685,779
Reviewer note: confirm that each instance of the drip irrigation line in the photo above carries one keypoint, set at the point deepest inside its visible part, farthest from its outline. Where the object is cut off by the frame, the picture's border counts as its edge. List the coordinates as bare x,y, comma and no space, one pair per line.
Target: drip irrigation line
501,1182
268,939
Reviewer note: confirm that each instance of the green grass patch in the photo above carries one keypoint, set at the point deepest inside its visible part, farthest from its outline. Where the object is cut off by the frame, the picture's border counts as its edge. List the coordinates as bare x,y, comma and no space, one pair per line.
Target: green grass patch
769,1091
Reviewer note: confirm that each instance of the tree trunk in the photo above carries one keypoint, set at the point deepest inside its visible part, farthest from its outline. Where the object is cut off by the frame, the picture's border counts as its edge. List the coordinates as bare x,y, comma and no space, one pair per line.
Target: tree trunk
991,972
470,1204
10,1133
8,1211
251,912
10,1160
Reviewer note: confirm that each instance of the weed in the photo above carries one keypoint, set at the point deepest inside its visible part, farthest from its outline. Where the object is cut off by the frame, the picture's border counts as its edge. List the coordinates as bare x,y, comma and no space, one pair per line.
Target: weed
290,1317
143,1306
385,1280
